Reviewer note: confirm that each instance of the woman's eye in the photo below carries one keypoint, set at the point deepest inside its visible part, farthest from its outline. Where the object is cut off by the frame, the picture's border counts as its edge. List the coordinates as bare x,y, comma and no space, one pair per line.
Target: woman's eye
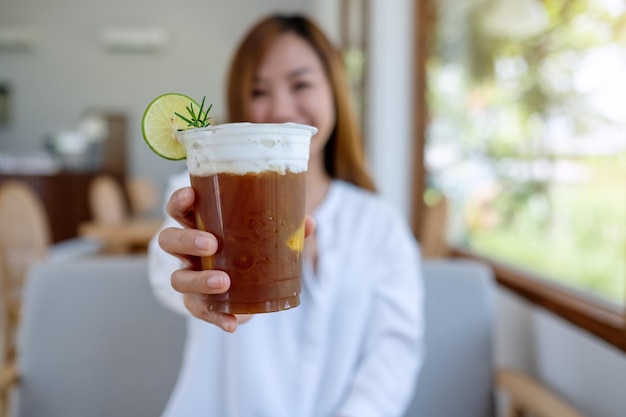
301,85
258,92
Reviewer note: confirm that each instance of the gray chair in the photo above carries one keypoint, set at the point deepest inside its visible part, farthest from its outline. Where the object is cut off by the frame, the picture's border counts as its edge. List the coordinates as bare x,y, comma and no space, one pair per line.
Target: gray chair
95,342
457,376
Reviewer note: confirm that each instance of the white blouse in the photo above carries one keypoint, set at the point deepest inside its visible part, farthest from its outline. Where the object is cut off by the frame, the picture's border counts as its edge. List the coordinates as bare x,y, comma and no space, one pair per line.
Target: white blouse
352,348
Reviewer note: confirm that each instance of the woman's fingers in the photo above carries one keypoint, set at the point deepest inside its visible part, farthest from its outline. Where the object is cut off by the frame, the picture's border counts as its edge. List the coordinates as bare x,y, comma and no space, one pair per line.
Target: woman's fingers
197,306
200,282
180,206
309,225
197,303
181,242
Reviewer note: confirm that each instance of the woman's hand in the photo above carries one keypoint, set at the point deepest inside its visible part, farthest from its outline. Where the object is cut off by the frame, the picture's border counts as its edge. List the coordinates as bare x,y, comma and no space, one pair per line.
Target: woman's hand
189,244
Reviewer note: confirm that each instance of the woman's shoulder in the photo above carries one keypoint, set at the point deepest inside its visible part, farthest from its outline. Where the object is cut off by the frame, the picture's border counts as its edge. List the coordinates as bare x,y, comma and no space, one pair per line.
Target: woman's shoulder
352,206
361,224
351,198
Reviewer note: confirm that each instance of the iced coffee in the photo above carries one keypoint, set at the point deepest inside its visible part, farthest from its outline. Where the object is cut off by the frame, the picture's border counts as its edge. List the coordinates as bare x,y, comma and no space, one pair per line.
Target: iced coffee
249,181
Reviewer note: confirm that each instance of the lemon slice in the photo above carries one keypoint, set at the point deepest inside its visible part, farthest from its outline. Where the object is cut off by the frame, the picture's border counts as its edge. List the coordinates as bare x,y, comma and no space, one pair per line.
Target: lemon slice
159,124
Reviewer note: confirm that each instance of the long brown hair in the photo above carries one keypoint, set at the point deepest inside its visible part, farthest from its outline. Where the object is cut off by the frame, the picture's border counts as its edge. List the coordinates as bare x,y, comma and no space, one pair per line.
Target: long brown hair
344,156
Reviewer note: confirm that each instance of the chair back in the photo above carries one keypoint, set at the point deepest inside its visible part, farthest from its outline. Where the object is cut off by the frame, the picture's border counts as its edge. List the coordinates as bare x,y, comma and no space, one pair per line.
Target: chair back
95,342
456,378
24,238
144,197
107,200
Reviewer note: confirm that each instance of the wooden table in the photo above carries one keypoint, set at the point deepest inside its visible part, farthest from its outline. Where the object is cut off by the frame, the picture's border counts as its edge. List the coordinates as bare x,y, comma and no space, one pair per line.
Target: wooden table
132,233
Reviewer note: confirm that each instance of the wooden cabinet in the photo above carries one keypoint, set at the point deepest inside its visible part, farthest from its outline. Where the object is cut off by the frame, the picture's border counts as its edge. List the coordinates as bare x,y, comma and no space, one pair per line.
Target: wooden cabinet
65,198
65,194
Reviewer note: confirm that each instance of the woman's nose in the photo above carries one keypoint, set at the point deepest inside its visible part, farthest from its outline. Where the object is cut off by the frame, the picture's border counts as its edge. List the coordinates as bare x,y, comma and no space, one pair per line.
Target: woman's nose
283,108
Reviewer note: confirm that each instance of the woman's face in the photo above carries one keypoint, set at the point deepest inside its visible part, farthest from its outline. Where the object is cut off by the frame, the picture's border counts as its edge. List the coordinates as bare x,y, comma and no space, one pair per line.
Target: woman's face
291,86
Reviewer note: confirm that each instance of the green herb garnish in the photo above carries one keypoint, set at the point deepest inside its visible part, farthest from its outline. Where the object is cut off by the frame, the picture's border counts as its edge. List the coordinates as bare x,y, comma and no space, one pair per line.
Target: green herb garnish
200,119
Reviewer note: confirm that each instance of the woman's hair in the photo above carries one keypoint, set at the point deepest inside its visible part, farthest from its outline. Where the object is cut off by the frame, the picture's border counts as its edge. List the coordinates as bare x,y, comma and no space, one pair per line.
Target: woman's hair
344,156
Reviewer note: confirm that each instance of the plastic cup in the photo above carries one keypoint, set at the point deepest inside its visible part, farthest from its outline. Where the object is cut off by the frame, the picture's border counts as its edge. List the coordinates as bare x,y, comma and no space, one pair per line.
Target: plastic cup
249,181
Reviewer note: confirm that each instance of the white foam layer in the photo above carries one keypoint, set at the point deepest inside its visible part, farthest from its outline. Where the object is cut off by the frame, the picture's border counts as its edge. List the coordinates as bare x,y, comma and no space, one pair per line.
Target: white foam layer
241,148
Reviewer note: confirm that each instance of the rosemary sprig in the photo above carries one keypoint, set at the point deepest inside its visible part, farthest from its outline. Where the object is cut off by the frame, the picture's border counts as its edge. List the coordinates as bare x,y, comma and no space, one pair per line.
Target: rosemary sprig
200,119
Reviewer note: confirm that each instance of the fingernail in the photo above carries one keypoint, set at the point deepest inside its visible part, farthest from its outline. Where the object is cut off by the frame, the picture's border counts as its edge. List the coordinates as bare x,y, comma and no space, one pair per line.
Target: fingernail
215,281
203,242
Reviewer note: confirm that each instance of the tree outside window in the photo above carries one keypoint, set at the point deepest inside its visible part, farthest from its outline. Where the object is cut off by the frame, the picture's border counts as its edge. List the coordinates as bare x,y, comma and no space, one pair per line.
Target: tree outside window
527,135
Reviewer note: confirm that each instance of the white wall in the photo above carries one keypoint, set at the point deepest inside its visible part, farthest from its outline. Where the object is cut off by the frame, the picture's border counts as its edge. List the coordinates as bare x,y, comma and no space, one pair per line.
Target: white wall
67,71
327,15
389,107
581,368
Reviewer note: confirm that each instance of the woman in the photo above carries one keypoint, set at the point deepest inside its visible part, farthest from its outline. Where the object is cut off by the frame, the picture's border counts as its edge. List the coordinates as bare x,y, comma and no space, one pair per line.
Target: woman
354,345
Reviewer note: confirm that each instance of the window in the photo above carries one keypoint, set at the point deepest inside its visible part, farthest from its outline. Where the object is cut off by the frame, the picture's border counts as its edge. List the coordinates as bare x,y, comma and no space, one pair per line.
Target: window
526,138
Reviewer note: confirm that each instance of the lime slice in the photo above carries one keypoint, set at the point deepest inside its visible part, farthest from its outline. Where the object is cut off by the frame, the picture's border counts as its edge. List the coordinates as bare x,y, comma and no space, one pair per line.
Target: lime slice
296,240
159,124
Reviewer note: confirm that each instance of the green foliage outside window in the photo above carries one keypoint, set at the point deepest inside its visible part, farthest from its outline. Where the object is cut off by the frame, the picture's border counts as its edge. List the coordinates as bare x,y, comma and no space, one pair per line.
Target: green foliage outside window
528,138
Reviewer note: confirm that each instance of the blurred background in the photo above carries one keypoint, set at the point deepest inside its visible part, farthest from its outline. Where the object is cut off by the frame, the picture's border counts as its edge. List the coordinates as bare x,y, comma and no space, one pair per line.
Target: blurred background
496,127
63,60
76,76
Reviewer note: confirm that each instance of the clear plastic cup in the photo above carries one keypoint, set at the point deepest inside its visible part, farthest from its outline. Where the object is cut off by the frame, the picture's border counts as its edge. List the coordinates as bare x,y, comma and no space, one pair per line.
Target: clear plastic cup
249,181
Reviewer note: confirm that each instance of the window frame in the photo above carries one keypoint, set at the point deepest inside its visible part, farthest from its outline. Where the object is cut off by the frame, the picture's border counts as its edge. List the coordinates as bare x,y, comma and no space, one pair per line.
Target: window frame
595,316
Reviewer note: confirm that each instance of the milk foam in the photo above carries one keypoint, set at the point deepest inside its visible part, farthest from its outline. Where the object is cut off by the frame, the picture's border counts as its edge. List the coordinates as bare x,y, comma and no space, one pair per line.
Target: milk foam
241,148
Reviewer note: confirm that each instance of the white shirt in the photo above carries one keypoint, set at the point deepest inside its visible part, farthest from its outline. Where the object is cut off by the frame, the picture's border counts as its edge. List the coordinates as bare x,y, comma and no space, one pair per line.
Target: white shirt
352,348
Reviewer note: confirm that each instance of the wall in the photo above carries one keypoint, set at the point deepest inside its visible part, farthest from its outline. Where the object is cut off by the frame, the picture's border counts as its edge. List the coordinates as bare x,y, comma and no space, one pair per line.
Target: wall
389,99
68,71
578,366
